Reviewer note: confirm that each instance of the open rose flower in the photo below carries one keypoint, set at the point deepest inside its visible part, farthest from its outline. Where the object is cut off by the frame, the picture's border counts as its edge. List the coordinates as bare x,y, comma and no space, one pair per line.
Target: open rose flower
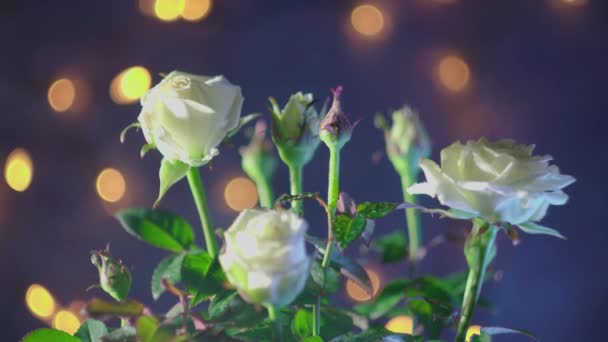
264,256
187,116
499,182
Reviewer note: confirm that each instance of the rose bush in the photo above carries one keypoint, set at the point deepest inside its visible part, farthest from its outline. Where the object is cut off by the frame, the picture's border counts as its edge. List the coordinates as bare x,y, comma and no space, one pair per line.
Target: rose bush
264,256
496,181
187,116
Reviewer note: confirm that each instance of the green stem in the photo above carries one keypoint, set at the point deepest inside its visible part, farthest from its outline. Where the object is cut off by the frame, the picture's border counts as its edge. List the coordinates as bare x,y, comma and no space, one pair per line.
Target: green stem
333,186
333,191
295,187
265,191
479,252
198,193
412,218
276,327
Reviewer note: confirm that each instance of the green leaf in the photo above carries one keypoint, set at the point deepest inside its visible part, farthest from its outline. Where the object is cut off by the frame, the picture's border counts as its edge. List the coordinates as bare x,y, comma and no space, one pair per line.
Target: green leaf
91,331
387,299
228,309
49,335
500,330
375,210
481,338
378,334
326,279
146,327
101,308
334,322
169,268
535,228
126,334
348,267
392,247
202,276
434,317
312,339
302,323
347,229
170,173
159,228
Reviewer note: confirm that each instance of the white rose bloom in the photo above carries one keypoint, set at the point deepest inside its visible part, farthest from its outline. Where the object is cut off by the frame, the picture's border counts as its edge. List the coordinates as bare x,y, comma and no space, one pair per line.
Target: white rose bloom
187,116
264,256
496,181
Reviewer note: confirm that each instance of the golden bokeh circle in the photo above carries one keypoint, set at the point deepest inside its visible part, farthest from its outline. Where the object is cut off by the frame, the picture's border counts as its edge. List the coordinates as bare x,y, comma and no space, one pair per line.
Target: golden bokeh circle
66,321
62,94
454,73
19,170
367,20
40,301
356,293
240,193
401,325
111,185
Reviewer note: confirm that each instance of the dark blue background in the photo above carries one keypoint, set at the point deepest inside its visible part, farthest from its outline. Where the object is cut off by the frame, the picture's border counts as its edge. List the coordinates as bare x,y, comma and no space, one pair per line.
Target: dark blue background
539,75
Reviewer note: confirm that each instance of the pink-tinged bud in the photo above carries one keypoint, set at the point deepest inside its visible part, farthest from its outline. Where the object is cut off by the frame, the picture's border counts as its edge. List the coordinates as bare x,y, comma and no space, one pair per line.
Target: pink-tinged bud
335,129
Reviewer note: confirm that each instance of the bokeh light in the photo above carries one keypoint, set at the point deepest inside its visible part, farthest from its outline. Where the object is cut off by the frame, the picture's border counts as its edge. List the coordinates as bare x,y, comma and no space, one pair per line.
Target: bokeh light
130,84
472,331
356,293
111,185
62,94
19,170
168,10
40,301
67,321
454,73
401,325
196,10
240,193
367,20
574,2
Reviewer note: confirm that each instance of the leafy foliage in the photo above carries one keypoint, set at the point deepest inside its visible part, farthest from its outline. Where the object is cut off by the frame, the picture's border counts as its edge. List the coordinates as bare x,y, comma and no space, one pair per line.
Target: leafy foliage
392,247
159,228
49,335
91,330
170,269
202,276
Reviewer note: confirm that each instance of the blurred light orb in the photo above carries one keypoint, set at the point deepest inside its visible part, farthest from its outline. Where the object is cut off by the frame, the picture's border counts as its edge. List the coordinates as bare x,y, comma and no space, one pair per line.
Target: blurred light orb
62,94
111,185
40,301
168,10
401,325
472,331
196,10
19,170
454,73
356,293
367,19
66,321
240,193
130,84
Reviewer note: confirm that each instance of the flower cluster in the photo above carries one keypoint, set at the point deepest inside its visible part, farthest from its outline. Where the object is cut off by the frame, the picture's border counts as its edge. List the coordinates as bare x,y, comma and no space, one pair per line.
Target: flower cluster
263,259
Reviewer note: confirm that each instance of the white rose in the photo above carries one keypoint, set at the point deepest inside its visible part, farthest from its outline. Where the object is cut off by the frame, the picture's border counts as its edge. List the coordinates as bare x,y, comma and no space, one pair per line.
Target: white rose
187,116
496,181
264,256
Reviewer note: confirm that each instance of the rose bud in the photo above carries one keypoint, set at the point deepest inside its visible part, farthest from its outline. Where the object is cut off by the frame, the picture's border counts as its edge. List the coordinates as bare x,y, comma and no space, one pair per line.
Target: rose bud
187,116
295,129
498,182
114,277
407,141
259,163
264,256
335,129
